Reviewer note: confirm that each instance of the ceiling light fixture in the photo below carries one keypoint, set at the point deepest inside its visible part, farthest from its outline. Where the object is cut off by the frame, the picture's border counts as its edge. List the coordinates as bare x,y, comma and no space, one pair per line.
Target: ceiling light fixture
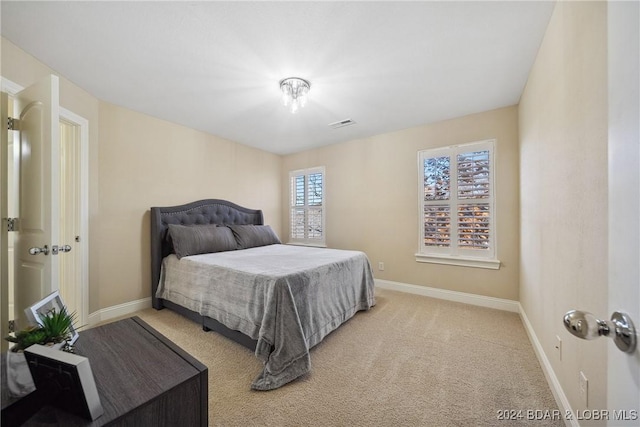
294,92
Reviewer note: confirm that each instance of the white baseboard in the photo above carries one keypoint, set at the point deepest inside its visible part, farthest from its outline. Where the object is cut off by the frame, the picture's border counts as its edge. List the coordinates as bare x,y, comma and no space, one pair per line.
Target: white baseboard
119,310
550,375
479,300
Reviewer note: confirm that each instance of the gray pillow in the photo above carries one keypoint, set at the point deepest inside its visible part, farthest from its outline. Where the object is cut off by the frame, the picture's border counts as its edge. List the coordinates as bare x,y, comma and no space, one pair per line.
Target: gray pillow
200,239
250,236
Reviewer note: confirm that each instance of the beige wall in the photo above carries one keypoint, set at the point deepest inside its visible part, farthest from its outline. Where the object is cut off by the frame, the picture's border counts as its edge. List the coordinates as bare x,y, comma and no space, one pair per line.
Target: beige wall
148,162
563,203
372,200
136,162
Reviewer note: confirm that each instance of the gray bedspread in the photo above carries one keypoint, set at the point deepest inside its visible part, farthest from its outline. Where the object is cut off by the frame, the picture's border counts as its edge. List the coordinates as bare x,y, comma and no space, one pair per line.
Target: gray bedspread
288,298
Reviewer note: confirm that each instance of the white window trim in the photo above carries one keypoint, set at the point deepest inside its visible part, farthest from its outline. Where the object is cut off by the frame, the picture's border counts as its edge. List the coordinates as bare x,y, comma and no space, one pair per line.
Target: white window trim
307,241
492,264
451,256
313,245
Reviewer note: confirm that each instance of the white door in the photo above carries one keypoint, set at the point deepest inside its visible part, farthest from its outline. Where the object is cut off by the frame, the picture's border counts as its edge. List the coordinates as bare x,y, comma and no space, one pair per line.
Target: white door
36,266
623,372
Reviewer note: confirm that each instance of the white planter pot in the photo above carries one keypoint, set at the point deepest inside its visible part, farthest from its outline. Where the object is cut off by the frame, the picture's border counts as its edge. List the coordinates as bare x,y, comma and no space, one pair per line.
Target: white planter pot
19,379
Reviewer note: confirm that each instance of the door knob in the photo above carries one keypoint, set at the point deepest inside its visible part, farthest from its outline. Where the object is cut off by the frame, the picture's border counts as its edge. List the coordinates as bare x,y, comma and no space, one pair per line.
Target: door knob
36,251
586,326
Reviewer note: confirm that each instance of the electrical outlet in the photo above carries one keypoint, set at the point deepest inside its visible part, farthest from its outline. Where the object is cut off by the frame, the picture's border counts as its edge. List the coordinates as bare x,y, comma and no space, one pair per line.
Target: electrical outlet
381,266
558,347
584,389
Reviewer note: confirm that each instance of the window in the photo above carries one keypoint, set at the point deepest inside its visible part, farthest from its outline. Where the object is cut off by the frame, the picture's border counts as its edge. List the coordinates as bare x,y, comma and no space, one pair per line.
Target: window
456,203
307,206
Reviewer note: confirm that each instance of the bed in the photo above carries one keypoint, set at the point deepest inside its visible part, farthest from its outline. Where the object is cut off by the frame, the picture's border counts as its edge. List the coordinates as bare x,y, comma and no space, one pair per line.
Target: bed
277,300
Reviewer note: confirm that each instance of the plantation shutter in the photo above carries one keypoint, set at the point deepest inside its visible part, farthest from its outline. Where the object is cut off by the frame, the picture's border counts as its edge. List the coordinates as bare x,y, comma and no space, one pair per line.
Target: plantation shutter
456,201
474,218
307,206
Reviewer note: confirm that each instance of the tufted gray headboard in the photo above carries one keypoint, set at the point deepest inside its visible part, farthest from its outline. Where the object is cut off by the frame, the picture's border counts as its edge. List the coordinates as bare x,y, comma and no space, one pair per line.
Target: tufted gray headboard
210,211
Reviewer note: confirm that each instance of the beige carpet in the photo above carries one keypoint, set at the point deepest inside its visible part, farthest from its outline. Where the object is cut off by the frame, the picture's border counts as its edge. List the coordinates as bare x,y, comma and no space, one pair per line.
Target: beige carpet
410,361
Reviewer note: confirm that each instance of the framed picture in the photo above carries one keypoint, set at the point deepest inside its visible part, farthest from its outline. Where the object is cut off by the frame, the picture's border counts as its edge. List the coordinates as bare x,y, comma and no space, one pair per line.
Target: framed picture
52,301
65,379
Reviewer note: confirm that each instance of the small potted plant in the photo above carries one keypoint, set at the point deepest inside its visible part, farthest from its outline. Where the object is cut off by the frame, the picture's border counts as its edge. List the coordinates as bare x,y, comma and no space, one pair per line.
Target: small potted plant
57,326
54,329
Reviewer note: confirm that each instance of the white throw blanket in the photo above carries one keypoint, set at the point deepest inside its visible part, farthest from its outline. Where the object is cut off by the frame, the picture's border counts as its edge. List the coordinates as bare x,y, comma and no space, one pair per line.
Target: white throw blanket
288,298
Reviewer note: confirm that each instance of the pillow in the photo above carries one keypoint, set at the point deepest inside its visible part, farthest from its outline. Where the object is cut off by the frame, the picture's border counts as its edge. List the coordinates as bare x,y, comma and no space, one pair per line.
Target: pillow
200,239
250,236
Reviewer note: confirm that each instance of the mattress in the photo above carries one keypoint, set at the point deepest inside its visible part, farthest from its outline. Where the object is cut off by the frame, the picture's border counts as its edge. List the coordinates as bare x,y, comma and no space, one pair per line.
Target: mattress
286,297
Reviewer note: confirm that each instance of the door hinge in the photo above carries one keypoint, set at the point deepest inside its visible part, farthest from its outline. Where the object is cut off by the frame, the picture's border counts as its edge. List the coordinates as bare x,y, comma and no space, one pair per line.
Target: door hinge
12,124
12,224
12,325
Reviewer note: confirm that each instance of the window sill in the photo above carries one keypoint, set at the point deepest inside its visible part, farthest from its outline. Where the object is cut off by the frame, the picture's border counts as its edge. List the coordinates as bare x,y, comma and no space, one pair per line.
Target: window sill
492,264
313,245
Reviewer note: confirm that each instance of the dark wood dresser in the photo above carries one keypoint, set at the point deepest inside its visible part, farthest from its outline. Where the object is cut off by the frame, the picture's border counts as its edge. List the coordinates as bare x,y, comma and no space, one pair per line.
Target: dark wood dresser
143,379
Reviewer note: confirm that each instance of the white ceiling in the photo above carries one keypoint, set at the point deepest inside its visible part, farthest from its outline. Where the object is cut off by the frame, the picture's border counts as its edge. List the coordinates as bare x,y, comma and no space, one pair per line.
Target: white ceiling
215,66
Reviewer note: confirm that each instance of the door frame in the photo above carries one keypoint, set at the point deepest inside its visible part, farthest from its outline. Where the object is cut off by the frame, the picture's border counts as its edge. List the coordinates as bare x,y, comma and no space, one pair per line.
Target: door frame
12,88
82,292
623,64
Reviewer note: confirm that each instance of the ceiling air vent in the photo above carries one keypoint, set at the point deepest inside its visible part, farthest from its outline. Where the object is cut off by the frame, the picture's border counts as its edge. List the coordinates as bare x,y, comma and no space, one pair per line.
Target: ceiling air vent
341,123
